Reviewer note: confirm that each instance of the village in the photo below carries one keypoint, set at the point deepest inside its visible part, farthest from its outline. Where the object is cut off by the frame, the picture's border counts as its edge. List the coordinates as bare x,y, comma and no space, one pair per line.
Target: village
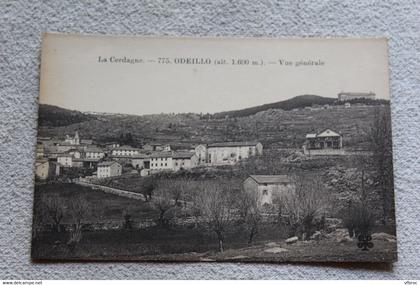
110,160
307,193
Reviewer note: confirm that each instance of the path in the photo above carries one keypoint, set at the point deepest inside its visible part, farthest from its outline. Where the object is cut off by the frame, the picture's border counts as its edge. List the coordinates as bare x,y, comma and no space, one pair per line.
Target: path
115,191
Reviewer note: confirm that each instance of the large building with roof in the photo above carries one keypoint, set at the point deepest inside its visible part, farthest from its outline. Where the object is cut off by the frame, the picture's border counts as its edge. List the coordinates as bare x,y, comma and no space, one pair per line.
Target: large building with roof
227,153
268,187
326,142
346,96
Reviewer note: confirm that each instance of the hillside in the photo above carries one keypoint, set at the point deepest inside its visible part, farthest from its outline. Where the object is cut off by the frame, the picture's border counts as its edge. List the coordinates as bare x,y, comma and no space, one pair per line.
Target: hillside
54,116
275,128
290,104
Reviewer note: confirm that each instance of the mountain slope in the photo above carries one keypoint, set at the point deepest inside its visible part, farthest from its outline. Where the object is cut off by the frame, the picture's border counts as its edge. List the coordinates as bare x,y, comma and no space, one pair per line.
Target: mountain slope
295,102
53,116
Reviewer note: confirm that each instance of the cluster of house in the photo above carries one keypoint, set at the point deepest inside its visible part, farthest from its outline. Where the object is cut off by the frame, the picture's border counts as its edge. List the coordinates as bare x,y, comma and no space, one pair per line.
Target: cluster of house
108,159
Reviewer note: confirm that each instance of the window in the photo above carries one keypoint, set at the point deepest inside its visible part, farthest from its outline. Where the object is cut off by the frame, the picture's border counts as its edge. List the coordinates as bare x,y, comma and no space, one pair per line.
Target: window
176,163
166,164
161,164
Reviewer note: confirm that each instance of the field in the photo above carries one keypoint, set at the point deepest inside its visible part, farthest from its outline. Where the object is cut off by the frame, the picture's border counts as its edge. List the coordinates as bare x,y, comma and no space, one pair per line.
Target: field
180,242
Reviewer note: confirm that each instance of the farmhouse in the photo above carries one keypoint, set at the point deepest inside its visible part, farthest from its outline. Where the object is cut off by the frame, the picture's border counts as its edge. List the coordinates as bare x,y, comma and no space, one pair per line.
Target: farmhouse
140,161
184,160
326,142
109,169
228,153
345,96
268,187
161,161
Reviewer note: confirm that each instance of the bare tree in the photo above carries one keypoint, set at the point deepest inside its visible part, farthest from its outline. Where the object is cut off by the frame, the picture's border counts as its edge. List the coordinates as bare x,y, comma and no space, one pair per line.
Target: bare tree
163,202
214,201
78,210
54,207
305,204
250,212
380,135
147,187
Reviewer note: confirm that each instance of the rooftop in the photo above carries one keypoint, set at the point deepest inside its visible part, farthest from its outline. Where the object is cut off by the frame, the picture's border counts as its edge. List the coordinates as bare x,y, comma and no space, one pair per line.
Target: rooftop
182,154
270,179
93,149
158,154
125,147
232,144
106,163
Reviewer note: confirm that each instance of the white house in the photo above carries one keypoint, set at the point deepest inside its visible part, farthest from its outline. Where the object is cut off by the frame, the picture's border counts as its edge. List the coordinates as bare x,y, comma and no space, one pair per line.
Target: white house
161,161
268,187
109,169
125,150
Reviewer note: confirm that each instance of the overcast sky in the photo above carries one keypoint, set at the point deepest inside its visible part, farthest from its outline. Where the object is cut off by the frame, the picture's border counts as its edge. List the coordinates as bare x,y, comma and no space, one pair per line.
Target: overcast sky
72,76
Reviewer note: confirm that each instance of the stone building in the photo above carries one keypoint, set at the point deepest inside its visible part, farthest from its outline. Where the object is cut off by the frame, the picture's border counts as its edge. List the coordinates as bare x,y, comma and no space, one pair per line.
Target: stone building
268,187
109,169
227,153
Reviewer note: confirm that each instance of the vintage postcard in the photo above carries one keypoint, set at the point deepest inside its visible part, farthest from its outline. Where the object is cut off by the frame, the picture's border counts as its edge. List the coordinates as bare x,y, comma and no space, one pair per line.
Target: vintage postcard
214,149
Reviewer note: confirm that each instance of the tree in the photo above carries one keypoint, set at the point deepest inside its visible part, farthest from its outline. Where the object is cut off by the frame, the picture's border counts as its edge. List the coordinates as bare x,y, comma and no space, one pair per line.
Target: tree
305,204
163,202
250,212
54,207
214,201
78,211
358,219
147,187
381,144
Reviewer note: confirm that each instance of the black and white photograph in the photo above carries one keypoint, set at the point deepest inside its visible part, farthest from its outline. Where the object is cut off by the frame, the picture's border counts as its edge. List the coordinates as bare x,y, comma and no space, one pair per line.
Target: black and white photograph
214,149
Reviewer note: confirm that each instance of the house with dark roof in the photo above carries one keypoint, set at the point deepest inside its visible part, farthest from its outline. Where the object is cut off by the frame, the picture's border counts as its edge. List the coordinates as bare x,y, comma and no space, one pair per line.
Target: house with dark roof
227,153
268,187
184,160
